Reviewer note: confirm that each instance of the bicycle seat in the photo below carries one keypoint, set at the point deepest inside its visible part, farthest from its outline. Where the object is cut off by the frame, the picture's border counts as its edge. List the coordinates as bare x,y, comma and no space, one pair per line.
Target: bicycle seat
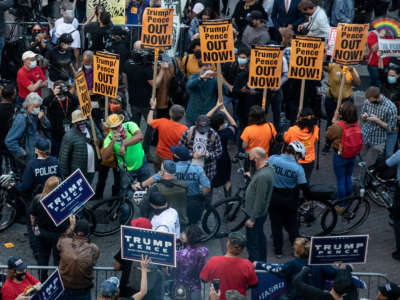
323,191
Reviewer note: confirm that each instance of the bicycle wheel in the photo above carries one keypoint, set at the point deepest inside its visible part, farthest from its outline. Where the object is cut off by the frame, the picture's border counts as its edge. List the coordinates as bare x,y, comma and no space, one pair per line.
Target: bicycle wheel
108,215
354,215
7,215
210,224
316,217
232,215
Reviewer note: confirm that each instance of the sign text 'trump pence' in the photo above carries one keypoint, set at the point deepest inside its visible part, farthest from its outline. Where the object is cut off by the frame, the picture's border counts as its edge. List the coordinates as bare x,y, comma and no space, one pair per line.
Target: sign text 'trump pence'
105,74
157,28
216,41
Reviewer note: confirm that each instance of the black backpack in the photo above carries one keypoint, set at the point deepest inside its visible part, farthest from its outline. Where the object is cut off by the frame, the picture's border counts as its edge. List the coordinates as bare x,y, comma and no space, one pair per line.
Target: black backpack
178,93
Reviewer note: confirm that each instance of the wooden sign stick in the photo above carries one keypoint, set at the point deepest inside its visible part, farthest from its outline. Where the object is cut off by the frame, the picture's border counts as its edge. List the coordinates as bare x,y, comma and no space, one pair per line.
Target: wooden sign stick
219,79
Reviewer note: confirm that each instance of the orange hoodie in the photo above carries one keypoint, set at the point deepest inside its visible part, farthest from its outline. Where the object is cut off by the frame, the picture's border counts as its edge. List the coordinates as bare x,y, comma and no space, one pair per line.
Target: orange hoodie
308,139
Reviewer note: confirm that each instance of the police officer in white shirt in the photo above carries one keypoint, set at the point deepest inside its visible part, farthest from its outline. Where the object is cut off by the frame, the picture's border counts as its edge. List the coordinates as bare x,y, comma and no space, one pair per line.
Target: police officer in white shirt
164,218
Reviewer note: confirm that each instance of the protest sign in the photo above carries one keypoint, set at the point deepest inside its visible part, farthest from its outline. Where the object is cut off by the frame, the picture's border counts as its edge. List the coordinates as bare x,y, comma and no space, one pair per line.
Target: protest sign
83,94
265,67
105,74
67,197
159,246
157,28
216,41
331,40
116,8
51,289
306,58
389,47
350,43
269,287
338,249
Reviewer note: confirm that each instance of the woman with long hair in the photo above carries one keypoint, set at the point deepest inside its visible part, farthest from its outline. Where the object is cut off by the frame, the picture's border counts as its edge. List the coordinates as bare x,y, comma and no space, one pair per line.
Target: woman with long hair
307,132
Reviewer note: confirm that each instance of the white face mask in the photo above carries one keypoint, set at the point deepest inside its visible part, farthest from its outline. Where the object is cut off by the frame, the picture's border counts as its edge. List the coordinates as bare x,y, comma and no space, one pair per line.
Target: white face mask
87,67
33,64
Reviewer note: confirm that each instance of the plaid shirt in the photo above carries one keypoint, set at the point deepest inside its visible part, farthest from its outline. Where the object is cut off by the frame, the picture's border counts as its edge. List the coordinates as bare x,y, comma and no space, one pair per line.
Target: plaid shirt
385,111
214,148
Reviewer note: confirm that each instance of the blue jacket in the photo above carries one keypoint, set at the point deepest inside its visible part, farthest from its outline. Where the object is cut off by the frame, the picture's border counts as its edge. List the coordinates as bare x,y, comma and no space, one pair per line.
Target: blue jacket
342,12
281,19
29,126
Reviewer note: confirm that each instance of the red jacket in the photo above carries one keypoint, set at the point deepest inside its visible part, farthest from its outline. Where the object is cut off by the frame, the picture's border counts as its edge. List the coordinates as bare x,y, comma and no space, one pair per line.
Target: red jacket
373,39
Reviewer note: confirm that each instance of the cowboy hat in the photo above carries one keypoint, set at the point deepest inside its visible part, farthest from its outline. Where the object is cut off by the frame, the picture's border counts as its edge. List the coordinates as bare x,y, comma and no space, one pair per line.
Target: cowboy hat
114,120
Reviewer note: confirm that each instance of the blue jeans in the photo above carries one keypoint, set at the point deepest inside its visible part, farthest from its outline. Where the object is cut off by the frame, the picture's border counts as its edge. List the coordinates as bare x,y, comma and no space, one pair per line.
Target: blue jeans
256,240
343,168
374,76
70,294
391,141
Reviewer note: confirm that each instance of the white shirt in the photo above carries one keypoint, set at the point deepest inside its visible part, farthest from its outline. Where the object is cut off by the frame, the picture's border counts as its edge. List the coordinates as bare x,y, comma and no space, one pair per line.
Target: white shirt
167,221
200,145
60,21
319,24
69,28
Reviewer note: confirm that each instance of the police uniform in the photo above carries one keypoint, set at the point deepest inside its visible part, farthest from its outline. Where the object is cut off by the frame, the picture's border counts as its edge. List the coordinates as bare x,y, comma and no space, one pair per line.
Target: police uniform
283,207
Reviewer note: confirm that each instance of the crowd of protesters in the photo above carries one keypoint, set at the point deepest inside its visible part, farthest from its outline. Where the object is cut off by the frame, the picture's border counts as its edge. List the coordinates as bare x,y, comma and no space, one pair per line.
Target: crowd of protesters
44,137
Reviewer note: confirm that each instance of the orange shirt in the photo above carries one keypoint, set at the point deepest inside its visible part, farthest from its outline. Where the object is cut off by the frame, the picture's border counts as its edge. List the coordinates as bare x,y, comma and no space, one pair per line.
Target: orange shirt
169,134
308,139
258,136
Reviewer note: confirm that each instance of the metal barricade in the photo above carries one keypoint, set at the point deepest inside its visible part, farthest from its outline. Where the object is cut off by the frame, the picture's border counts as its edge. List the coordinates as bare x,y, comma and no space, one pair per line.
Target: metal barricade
100,274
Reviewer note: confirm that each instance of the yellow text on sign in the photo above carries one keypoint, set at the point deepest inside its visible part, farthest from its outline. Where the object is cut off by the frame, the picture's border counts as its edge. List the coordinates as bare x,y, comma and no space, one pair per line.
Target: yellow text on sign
83,94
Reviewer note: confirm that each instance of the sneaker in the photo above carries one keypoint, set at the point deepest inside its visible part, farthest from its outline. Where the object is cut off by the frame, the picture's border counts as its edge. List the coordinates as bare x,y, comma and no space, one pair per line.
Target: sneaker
396,255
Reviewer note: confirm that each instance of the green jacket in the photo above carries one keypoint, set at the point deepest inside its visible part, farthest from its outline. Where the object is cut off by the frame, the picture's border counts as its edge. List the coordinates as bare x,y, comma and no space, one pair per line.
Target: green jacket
258,193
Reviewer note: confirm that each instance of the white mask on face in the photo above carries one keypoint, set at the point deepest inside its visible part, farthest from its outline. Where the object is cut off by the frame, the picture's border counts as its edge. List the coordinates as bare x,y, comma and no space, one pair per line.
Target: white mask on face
33,64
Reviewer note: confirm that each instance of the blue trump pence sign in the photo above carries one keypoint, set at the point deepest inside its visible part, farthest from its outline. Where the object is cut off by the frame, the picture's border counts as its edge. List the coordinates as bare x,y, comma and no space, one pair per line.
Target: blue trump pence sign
159,246
51,289
269,287
338,249
66,198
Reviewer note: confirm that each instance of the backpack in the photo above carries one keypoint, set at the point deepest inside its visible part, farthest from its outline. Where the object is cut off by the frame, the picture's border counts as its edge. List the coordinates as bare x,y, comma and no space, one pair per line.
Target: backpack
276,144
178,92
352,141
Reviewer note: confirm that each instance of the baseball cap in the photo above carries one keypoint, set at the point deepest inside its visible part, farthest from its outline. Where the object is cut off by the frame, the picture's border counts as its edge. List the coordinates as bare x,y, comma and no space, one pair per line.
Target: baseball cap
202,123
237,239
198,8
109,287
42,144
181,151
83,226
28,54
390,290
169,166
16,263
343,282
234,295
157,199
141,223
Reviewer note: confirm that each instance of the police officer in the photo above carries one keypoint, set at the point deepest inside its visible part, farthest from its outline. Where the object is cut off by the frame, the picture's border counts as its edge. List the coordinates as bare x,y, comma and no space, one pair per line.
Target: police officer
283,208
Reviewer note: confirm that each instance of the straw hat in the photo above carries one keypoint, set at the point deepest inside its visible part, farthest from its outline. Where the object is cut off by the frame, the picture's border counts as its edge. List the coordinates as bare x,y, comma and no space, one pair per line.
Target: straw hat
77,116
114,120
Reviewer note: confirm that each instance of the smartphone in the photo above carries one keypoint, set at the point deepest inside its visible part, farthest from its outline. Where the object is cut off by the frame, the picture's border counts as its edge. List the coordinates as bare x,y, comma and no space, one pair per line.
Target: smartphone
216,284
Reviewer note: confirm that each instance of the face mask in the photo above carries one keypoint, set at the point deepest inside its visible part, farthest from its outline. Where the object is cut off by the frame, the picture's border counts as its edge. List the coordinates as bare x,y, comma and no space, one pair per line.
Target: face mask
197,54
392,79
36,111
88,67
33,64
82,127
115,107
242,61
20,276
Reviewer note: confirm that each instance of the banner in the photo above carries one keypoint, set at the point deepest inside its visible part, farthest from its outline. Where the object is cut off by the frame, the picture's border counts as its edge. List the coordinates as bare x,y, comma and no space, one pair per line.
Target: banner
265,67
269,287
105,74
66,198
157,28
159,246
83,94
306,58
115,7
216,41
389,47
350,43
51,289
331,41
348,249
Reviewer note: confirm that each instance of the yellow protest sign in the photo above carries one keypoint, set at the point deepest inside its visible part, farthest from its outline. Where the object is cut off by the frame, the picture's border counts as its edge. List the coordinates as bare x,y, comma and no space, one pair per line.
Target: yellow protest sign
306,58
157,27
83,94
216,41
105,74
350,43
265,67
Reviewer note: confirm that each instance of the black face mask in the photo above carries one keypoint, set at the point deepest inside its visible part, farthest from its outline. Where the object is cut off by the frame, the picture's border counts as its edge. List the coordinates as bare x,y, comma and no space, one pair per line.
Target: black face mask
20,276
197,54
